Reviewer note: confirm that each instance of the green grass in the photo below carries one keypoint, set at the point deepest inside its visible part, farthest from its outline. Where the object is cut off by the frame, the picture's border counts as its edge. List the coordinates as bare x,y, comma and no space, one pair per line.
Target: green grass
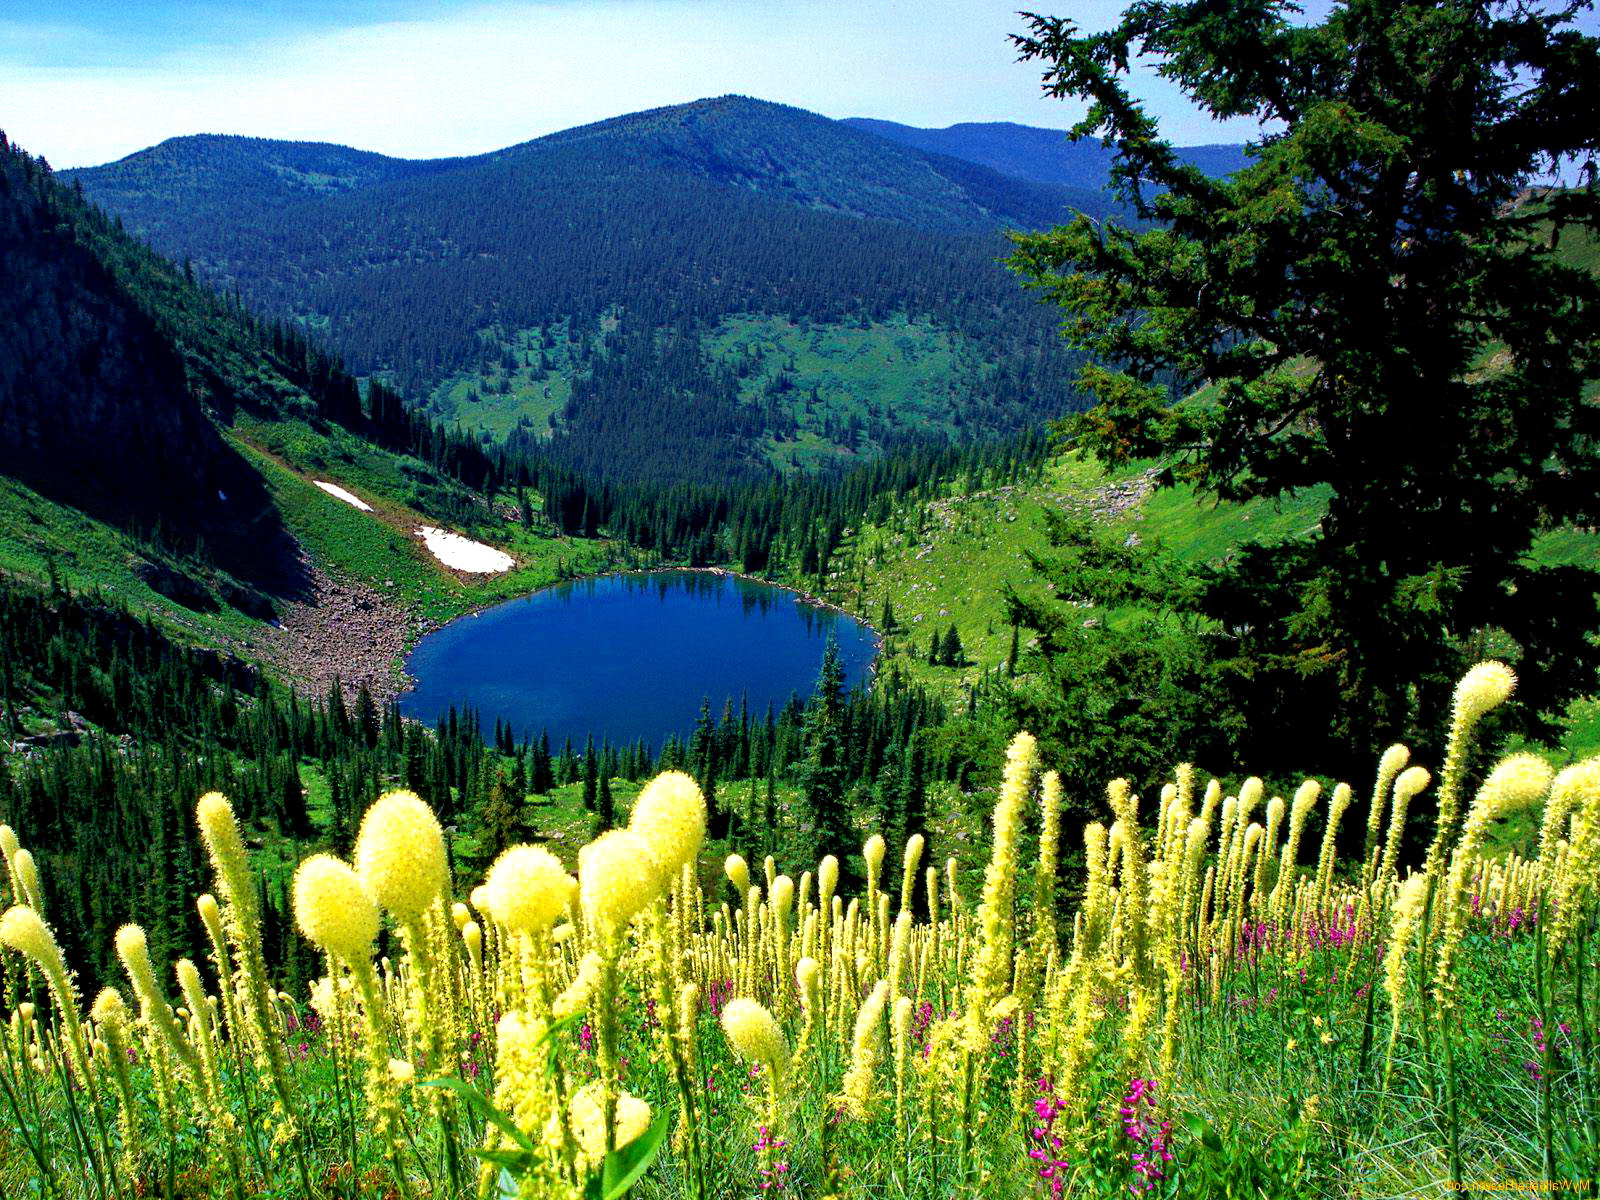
498,396
39,536
906,374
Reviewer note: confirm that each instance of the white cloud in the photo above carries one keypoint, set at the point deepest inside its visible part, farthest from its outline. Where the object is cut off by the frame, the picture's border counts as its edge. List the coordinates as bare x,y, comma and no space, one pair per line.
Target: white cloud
486,77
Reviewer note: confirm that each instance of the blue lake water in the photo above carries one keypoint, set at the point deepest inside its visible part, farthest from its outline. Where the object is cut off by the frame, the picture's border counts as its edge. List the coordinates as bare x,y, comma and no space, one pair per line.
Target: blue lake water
631,656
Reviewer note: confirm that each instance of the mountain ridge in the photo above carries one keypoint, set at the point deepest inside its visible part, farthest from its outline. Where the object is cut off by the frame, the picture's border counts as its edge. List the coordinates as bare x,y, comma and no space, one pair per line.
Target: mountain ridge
1034,152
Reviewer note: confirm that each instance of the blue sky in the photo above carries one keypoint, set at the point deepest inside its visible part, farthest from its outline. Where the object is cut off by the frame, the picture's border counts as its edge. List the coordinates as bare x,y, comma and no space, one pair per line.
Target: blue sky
86,81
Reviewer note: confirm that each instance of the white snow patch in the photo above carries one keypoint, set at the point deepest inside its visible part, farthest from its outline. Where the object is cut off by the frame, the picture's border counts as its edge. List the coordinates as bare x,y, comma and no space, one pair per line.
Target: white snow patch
463,553
333,489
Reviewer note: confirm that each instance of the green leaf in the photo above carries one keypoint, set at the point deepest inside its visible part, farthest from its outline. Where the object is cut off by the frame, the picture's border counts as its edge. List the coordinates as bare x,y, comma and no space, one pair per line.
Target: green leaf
481,1103
1201,1130
624,1166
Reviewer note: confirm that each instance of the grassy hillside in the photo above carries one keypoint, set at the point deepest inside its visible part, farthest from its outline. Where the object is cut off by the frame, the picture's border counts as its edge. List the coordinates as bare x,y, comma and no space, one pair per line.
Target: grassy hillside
944,563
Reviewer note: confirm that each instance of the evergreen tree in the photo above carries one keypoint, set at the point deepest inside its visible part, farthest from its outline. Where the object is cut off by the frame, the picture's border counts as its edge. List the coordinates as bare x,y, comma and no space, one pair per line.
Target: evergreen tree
591,777
826,821
1377,269
605,805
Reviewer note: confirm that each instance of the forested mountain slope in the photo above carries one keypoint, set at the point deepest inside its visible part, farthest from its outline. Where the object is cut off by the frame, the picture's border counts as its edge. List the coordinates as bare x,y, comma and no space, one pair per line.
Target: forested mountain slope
158,440
598,281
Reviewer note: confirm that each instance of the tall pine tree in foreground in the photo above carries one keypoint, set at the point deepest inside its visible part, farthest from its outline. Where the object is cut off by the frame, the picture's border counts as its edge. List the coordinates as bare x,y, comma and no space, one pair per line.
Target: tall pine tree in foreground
1379,307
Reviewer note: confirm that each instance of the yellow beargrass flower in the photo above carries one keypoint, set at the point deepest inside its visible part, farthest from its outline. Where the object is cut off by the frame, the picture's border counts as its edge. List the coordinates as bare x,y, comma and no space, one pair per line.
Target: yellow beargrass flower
1517,781
900,1026
1342,796
112,1019
873,852
1482,689
754,1034
400,855
1573,874
586,1113
1486,686
25,932
28,878
670,815
1571,788
577,994
333,908
827,880
808,974
1404,920
134,951
908,878
526,889
617,878
865,1050
991,963
738,873
1390,765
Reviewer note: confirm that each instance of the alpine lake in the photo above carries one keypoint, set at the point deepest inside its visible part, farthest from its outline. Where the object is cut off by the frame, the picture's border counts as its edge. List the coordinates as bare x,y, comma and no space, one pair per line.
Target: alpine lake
632,656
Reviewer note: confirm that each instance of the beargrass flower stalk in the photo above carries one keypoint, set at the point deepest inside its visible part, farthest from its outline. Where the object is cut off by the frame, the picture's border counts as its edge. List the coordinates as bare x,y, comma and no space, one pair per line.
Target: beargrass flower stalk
134,952
220,832
1574,786
618,878
335,911
990,963
1227,842
866,1050
112,1019
755,1037
1407,786
211,1106
899,954
23,930
1133,880
908,875
27,872
1342,796
1044,875
782,898
1517,782
1392,762
1305,798
1481,690
524,1090
401,859
1269,850
952,884
211,917
900,1025
670,817
9,845
1579,867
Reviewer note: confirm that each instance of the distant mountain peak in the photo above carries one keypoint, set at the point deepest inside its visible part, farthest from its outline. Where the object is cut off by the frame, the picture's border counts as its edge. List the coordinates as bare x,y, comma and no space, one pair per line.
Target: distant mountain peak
1034,153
